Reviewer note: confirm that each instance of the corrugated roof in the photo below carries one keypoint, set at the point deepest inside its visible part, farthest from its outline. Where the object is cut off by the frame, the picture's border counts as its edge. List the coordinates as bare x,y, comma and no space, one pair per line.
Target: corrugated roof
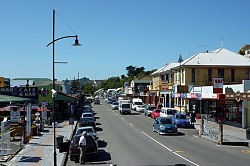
219,57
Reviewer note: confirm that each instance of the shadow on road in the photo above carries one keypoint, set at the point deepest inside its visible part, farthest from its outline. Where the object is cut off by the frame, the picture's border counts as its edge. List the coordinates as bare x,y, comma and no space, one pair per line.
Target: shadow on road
98,129
30,159
98,124
102,143
103,158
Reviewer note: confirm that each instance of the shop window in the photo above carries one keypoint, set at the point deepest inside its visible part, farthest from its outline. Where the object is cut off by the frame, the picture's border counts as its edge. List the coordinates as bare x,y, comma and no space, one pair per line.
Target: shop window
221,73
162,77
232,75
209,75
166,78
193,75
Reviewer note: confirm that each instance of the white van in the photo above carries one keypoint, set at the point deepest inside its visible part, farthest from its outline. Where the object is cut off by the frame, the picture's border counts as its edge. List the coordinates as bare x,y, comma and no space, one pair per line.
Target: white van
136,102
167,112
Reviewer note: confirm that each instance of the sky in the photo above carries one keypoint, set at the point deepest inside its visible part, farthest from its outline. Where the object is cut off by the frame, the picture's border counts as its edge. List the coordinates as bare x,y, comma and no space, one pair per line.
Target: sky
114,34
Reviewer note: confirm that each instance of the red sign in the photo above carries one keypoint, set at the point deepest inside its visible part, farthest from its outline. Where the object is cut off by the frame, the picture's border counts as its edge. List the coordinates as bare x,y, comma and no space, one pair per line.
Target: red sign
217,85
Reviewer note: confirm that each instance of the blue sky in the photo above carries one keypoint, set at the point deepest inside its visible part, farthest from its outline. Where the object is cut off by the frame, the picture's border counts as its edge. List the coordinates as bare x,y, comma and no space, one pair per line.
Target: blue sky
115,34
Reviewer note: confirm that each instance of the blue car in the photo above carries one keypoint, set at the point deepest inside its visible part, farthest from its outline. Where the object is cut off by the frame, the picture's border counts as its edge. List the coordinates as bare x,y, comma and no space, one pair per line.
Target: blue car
165,125
181,120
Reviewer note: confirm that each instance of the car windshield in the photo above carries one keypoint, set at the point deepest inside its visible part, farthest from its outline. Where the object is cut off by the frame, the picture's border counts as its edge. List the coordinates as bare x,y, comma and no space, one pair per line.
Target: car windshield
88,130
165,121
180,116
87,115
157,111
125,105
151,108
84,119
171,111
115,103
138,103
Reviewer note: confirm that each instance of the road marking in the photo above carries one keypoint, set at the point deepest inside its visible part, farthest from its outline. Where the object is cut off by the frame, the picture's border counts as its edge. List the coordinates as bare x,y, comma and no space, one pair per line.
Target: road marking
195,136
245,151
122,118
179,151
170,150
131,124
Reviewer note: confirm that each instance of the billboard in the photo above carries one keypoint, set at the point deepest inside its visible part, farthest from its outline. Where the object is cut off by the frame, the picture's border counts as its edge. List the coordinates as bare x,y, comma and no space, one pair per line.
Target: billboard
217,85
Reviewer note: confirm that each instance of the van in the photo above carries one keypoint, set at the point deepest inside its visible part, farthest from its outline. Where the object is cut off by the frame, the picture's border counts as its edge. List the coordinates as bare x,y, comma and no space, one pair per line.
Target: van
136,102
167,112
124,106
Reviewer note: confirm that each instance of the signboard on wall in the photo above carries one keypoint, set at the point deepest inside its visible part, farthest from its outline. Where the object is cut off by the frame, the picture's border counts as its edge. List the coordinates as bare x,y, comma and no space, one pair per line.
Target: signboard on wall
217,85
30,92
15,114
44,117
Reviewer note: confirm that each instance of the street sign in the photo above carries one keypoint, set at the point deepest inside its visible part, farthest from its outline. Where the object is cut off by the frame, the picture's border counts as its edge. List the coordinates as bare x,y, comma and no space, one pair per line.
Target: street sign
15,114
43,114
28,119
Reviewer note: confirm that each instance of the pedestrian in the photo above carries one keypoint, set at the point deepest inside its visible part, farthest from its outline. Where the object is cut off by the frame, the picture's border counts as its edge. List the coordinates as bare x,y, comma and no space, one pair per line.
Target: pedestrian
193,117
82,146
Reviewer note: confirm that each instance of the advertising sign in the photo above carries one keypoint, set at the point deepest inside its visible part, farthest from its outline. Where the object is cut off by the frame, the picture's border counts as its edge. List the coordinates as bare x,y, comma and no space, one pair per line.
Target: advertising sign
217,85
28,118
30,92
164,85
15,114
43,114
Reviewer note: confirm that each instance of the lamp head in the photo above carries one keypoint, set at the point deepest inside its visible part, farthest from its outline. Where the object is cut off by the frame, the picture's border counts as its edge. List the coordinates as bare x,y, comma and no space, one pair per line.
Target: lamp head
180,59
76,42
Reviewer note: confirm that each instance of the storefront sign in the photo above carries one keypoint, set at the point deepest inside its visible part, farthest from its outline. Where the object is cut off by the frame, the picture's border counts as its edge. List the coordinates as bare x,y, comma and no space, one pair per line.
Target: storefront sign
237,96
30,92
217,85
164,85
28,118
15,114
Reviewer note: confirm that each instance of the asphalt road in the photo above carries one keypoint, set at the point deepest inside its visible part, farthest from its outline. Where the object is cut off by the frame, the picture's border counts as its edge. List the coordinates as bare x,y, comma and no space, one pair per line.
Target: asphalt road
128,140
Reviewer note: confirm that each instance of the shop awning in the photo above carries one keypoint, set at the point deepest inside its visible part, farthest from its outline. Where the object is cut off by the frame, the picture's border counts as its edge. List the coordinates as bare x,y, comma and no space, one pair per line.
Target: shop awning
64,97
7,99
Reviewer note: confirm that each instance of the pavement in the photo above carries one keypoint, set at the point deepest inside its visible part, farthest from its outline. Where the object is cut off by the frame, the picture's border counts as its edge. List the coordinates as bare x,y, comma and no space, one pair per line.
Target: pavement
40,150
230,133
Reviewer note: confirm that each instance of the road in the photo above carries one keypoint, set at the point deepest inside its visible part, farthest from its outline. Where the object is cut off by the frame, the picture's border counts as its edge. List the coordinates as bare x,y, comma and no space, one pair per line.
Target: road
128,140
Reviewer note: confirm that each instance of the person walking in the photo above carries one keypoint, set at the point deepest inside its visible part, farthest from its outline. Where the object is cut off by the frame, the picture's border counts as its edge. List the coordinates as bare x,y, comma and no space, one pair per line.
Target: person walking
82,146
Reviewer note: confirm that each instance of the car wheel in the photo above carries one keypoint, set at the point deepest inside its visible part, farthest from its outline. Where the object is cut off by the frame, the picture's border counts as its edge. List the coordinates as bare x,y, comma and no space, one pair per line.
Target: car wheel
71,158
153,129
159,132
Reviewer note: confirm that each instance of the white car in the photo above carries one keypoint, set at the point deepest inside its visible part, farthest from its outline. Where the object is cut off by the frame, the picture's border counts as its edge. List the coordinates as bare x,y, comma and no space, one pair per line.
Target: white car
140,108
167,112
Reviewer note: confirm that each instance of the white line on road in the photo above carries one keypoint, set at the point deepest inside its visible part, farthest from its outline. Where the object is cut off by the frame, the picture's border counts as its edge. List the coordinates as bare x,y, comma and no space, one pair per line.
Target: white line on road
122,118
170,149
131,124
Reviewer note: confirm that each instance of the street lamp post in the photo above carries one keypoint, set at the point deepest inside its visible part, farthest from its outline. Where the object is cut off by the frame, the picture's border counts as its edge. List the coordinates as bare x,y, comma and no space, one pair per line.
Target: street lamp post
180,60
53,82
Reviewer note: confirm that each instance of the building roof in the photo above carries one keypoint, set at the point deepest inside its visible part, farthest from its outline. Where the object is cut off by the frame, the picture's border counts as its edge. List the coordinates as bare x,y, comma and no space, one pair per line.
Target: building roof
7,99
159,70
219,57
142,81
165,68
36,80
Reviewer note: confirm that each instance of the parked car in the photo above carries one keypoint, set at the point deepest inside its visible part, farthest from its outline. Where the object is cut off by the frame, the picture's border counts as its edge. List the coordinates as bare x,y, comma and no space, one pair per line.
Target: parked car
87,108
167,112
87,121
87,114
115,106
110,100
91,147
165,125
89,130
181,120
148,110
140,108
155,113
97,101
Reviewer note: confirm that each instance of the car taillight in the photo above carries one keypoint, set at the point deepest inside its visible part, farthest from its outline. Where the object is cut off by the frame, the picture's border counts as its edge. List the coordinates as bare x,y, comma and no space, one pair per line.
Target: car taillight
70,149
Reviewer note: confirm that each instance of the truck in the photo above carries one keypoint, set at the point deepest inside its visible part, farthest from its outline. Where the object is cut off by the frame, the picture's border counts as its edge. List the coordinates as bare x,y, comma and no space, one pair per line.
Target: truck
136,102
124,106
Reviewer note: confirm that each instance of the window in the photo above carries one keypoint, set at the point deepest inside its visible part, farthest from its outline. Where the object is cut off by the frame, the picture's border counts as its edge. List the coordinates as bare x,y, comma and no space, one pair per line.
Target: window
162,77
209,75
232,75
247,74
166,78
193,75
248,52
182,76
221,73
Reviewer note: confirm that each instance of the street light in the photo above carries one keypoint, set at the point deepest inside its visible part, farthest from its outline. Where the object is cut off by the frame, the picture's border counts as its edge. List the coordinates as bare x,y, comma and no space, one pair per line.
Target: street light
180,60
54,96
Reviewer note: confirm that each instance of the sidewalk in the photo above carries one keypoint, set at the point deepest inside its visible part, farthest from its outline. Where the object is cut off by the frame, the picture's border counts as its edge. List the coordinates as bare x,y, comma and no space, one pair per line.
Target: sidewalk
230,133
40,149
